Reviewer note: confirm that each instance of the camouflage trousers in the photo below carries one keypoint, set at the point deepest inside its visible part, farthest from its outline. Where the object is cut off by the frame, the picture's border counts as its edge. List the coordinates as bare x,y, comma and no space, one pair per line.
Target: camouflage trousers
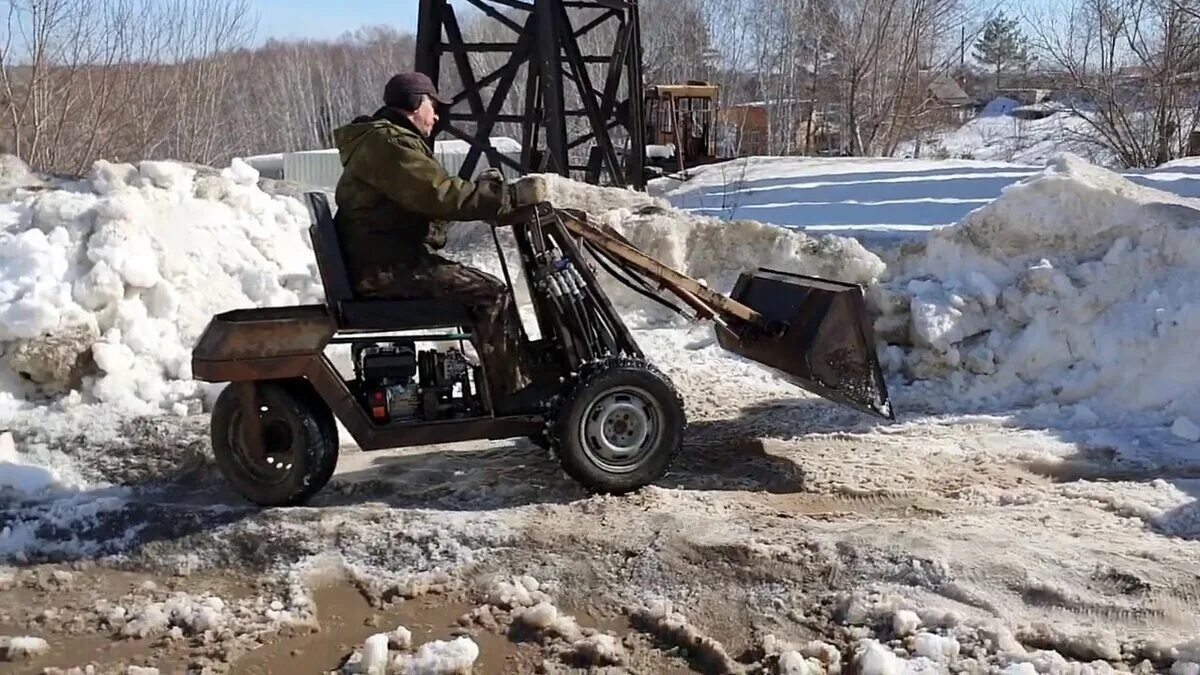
429,276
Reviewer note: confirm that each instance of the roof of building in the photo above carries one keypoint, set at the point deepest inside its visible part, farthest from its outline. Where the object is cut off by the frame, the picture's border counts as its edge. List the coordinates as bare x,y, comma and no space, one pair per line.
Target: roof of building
946,90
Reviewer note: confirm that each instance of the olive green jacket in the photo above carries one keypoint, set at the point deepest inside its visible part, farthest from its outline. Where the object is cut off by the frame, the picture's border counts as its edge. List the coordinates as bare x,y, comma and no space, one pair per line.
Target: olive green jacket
394,199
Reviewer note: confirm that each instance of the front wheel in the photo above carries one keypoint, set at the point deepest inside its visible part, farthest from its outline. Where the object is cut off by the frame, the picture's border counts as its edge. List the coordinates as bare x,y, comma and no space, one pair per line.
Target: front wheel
620,426
299,445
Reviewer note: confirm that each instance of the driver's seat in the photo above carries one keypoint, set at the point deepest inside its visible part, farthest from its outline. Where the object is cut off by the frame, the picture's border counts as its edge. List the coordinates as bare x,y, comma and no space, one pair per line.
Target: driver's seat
368,314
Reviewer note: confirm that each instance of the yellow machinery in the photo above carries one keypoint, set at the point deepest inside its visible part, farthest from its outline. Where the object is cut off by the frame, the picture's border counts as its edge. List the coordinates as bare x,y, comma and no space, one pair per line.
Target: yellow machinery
680,124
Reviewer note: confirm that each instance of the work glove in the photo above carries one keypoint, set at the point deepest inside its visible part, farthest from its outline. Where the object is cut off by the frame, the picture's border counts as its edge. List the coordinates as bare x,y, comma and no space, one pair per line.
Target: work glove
528,191
491,175
491,182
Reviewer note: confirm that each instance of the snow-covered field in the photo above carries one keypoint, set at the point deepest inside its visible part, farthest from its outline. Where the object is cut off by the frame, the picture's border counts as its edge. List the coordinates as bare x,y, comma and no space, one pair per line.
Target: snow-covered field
1003,131
880,201
1032,510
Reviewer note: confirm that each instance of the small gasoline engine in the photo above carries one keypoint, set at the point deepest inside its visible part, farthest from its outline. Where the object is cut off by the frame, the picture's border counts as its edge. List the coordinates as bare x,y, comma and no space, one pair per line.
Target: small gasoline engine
398,382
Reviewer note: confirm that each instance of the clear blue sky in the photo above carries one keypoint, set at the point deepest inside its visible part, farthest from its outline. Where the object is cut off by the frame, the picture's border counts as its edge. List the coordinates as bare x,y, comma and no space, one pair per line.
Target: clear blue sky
328,19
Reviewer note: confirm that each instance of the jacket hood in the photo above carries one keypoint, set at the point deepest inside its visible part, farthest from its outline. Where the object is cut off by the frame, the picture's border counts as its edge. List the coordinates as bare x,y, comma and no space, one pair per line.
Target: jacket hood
347,138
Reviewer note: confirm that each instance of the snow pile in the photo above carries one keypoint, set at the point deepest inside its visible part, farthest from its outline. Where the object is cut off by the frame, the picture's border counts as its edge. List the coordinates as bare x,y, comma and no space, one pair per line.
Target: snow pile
522,591
16,175
567,639
998,134
873,658
106,283
191,615
816,658
716,250
1074,288
438,657
520,603
149,613
454,657
19,475
709,249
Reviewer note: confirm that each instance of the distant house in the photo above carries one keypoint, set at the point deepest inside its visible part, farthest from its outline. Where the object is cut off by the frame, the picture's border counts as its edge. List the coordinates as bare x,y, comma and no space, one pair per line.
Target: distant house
932,100
946,101
745,127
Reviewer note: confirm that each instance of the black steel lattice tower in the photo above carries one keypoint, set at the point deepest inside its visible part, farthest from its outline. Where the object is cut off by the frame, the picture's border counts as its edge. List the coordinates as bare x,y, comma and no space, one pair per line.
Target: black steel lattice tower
601,141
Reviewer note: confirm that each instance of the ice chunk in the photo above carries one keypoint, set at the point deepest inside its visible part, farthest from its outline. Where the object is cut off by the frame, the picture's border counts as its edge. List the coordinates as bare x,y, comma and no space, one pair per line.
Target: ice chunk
936,647
18,474
455,657
26,647
792,663
599,650
375,655
400,639
875,659
540,616
905,622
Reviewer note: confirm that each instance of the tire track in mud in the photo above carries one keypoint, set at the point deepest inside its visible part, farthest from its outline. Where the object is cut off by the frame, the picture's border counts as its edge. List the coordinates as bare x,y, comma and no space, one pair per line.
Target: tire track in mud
983,476
1150,605
847,505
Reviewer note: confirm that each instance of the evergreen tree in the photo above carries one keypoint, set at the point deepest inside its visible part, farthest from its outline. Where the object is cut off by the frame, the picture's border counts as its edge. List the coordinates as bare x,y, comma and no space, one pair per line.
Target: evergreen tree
1002,46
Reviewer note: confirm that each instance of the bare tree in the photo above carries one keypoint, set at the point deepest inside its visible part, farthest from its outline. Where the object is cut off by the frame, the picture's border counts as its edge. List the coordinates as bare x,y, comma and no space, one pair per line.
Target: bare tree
1133,68
886,52
116,79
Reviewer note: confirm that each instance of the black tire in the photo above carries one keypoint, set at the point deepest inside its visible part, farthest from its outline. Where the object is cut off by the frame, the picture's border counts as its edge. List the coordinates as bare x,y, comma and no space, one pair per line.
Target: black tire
296,424
619,427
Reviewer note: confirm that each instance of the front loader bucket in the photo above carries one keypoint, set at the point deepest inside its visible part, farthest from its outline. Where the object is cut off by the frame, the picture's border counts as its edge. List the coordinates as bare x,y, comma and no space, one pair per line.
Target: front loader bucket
817,336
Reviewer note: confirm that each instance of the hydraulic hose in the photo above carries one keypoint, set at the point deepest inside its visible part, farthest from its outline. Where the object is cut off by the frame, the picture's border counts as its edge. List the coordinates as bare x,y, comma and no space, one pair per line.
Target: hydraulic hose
641,287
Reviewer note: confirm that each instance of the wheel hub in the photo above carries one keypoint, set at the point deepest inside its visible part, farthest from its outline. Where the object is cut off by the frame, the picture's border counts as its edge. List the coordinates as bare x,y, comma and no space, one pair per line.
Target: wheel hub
278,443
620,427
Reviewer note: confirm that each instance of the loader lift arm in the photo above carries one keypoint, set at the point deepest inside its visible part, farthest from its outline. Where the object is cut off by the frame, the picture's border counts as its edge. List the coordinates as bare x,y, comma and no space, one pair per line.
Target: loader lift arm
813,332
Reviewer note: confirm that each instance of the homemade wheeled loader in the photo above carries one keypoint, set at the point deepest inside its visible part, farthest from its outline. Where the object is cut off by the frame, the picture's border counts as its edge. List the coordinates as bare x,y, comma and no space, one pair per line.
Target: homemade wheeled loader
613,420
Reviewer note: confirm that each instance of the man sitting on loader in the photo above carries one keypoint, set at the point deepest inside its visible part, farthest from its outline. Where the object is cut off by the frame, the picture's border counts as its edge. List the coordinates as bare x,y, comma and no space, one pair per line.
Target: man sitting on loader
394,200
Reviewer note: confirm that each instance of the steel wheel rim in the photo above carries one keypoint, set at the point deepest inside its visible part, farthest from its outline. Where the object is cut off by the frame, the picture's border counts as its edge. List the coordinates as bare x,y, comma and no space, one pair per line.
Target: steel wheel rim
620,427
280,440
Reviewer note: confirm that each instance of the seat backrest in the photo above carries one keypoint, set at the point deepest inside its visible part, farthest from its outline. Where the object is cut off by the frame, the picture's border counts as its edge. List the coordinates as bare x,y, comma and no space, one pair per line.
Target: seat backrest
328,250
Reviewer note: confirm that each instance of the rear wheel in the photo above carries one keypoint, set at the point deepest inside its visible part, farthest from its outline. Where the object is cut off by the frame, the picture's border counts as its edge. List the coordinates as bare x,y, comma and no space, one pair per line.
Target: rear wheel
298,438
620,427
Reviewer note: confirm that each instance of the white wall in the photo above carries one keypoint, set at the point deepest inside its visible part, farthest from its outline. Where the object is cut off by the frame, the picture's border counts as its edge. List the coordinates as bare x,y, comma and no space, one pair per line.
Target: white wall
322,168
